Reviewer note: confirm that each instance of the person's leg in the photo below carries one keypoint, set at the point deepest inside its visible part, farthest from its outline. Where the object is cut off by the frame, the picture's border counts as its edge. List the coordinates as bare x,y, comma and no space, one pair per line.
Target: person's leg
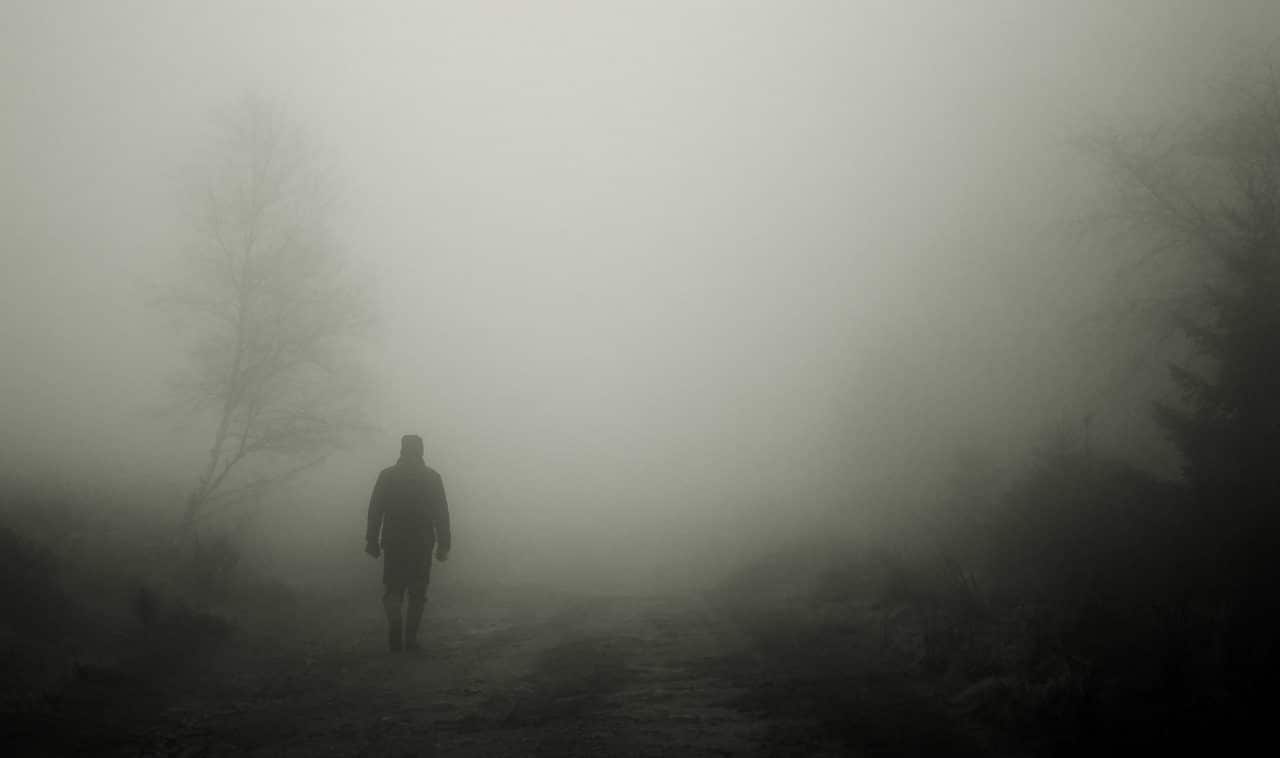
417,592
391,604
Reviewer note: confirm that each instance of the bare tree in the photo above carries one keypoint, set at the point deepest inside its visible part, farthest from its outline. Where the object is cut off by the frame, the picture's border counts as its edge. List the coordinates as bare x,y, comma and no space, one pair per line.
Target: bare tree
271,315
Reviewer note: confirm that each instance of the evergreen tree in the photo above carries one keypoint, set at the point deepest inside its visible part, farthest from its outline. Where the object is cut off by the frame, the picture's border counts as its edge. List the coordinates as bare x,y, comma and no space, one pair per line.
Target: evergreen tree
1208,203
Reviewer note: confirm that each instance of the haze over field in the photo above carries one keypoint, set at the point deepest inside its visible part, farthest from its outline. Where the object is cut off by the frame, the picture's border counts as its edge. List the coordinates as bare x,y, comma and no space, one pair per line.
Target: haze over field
803,378
642,272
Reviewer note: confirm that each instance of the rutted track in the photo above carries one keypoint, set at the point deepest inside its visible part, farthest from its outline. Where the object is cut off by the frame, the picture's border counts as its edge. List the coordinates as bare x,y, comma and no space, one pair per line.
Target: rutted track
555,676
517,673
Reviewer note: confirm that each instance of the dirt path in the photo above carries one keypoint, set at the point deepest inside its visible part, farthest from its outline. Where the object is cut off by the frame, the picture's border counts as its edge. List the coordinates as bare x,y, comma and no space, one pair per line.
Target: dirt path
510,673
554,676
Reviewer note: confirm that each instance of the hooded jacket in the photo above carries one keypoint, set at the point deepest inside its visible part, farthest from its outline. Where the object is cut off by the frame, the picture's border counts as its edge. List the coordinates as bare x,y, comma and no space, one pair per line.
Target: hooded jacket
408,509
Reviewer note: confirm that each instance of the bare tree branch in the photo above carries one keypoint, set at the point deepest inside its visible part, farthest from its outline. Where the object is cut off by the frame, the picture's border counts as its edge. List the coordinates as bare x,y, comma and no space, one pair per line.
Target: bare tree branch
272,308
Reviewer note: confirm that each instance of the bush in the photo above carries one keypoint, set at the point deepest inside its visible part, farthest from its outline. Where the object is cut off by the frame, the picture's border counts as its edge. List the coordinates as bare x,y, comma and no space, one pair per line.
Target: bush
1077,527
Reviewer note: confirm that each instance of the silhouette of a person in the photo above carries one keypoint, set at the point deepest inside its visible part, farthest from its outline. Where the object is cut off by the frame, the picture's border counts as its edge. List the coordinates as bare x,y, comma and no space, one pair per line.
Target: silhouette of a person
408,516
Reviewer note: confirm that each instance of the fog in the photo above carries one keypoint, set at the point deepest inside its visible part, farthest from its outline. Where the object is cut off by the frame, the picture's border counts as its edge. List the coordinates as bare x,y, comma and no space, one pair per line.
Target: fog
656,282
805,378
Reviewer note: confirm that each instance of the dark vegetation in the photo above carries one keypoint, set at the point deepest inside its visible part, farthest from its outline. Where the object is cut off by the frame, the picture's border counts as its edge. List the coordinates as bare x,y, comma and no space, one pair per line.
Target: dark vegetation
1089,605
108,622
1042,632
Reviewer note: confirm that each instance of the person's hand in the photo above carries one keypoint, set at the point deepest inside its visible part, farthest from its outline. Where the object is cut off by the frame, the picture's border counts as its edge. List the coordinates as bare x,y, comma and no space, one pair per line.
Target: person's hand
371,547
442,554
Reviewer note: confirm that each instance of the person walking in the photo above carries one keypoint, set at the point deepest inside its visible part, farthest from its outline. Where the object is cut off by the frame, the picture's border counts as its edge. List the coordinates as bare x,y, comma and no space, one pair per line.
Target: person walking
408,517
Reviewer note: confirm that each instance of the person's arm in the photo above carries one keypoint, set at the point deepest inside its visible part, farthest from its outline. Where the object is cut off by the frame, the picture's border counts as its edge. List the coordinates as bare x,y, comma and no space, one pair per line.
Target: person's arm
373,526
444,534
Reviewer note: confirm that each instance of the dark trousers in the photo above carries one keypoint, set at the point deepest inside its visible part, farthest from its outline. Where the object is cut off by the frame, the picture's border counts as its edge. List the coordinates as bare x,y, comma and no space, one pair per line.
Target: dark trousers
405,573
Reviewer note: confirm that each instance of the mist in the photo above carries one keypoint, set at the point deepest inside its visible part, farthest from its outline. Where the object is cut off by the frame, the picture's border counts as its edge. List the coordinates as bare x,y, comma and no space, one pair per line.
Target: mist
665,288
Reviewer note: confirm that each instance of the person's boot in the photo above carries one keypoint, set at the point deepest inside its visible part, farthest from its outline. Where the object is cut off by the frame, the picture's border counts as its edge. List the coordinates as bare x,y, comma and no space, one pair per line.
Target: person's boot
412,620
394,639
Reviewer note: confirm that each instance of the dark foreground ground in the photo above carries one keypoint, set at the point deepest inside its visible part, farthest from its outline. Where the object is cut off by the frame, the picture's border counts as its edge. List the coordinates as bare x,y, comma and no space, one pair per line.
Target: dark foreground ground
510,672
